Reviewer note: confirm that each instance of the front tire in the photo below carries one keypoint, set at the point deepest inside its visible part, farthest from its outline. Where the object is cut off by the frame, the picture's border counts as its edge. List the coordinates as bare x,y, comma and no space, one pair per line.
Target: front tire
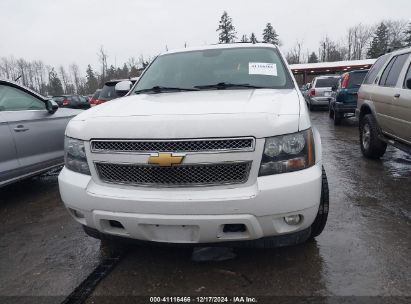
321,219
330,112
371,145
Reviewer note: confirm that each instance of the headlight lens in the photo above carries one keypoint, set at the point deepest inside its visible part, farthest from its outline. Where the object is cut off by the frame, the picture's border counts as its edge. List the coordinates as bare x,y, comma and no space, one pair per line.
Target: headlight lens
288,153
75,156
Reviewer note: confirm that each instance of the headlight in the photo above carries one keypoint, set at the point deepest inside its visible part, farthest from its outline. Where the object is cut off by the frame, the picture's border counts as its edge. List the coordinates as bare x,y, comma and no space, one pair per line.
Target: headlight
288,153
75,156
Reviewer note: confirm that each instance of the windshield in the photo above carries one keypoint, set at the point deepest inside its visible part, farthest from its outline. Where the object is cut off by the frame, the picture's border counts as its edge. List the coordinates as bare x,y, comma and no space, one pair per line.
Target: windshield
260,67
356,79
326,82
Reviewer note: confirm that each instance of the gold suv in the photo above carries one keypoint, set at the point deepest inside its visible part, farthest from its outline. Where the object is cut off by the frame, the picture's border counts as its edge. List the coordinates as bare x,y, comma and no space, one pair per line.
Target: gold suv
384,105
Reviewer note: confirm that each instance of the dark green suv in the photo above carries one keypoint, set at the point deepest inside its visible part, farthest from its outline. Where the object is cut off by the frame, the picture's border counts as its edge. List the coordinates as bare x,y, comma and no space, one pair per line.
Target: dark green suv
344,96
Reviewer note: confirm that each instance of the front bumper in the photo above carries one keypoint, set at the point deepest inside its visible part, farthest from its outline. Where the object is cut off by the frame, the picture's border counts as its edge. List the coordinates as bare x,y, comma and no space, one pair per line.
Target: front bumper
196,215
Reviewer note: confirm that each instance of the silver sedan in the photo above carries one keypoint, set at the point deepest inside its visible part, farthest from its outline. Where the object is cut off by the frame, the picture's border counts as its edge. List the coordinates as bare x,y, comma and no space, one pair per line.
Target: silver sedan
31,132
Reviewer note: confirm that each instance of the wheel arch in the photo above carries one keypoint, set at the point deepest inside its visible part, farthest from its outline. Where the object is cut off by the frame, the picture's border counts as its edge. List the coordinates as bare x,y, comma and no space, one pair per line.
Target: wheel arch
365,109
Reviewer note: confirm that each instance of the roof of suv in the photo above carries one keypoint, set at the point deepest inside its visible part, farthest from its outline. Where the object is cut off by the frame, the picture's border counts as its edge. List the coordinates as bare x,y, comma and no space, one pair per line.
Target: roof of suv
327,76
65,95
401,51
356,71
221,46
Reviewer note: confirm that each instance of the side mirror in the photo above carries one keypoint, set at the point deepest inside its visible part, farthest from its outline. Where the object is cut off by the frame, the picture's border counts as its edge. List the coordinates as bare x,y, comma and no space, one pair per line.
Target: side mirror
51,106
123,87
408,83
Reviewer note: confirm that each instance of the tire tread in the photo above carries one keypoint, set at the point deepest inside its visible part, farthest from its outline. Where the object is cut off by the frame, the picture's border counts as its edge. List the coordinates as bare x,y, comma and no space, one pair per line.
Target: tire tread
377,146
321,219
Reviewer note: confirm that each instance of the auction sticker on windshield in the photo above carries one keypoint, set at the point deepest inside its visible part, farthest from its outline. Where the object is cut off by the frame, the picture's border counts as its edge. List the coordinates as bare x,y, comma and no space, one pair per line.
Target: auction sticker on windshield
262,68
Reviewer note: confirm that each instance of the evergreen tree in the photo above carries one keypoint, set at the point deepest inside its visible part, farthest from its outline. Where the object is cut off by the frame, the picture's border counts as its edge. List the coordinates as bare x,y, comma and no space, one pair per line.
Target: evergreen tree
134,72
407,38
396,44
91,80
111,73
379,43
313,58
55,87
125,72
226,28
244,38
253,38
119,73
270,35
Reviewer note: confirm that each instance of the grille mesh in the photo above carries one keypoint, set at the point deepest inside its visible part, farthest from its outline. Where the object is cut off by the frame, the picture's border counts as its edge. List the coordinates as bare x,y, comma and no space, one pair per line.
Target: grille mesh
237,144
183,175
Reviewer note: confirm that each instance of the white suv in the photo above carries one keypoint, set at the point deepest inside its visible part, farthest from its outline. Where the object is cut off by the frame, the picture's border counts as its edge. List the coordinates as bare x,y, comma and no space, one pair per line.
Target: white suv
212,144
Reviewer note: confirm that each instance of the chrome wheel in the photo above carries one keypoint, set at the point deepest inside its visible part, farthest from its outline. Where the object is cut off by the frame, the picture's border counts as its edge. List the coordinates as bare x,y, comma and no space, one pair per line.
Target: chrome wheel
366,136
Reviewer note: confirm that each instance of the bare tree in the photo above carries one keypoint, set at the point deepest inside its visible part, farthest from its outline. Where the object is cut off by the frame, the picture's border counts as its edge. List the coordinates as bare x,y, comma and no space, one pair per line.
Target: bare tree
244,38
396,29
21,67
294,55
74,71
143,62
132,62
65,78
331,51
358,37
8,68
102,55
39,76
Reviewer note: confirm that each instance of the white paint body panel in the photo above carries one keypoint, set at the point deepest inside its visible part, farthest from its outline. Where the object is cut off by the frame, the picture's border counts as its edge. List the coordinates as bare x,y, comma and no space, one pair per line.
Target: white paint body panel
216,113
195,214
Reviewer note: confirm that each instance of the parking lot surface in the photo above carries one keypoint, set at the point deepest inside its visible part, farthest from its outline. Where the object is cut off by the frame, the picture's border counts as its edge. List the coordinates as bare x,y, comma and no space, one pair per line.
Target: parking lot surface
364,251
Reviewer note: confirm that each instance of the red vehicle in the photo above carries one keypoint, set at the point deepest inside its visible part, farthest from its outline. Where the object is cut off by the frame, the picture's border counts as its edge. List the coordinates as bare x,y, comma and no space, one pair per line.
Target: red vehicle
94,100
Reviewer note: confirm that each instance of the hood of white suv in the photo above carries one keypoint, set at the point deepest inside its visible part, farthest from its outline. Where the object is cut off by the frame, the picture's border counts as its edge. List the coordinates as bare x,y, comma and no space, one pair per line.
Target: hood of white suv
199,103
211,113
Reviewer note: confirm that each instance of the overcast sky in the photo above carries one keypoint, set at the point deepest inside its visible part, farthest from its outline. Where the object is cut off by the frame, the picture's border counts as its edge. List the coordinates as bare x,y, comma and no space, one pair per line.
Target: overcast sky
66,31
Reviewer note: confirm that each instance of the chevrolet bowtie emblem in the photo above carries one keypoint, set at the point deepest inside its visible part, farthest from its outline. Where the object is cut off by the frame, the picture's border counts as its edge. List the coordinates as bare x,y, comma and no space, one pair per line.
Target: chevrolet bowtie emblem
165,159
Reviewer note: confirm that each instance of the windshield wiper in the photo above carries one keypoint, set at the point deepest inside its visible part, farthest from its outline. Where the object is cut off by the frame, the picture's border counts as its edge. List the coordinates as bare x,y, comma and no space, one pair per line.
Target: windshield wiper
225,85
160,89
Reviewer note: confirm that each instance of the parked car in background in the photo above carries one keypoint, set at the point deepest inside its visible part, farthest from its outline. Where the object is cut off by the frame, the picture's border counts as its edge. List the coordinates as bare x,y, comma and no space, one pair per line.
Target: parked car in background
72,101
384,105
85,99
223,152
320,92
31,132
343,101
108,92
94,99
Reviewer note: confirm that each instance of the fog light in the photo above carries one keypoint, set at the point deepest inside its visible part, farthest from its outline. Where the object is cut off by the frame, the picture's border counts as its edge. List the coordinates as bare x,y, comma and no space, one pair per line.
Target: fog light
77,214
292,219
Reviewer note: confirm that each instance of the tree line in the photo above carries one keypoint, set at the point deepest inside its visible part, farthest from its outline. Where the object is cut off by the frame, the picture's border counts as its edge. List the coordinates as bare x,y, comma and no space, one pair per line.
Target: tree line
50,81
361,41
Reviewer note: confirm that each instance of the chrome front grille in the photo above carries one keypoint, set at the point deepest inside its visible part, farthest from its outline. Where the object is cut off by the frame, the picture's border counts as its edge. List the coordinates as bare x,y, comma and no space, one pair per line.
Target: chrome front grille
155,146
175,176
